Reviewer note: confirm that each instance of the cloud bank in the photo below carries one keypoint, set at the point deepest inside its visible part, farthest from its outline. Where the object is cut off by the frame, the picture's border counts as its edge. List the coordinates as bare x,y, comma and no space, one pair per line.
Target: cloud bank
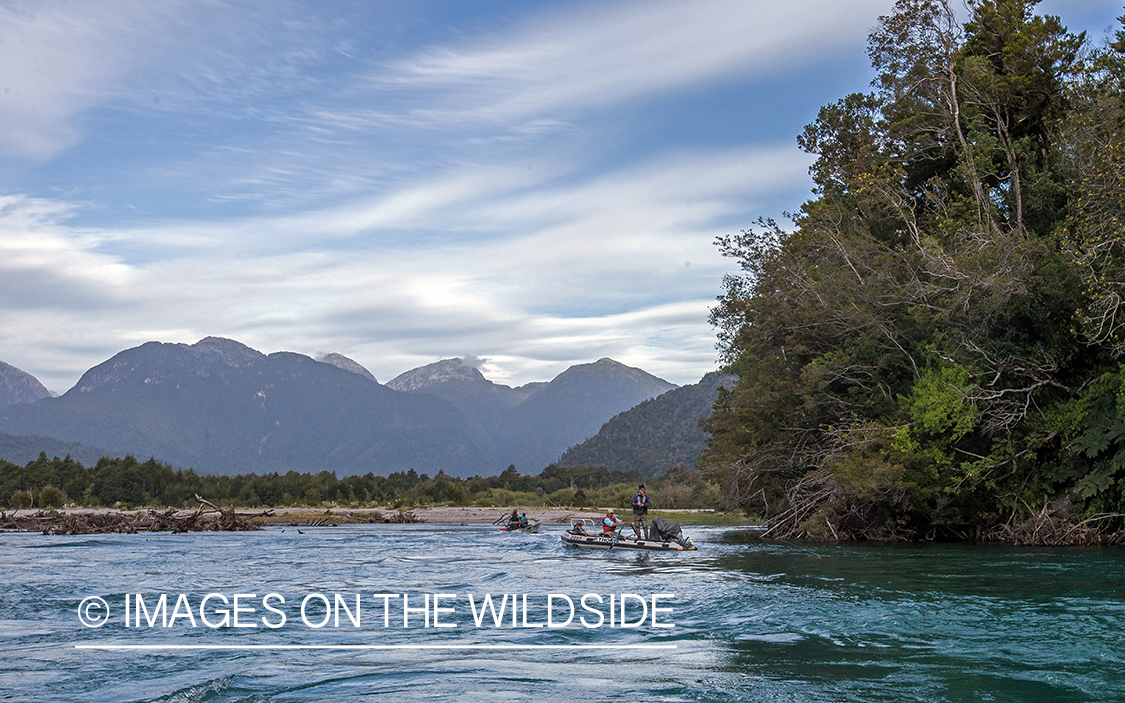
531,187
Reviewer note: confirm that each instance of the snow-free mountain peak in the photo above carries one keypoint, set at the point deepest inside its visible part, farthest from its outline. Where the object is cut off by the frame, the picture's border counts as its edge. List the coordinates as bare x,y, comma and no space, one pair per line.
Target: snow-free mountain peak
232,353
342,362
155,363
443,371
18,386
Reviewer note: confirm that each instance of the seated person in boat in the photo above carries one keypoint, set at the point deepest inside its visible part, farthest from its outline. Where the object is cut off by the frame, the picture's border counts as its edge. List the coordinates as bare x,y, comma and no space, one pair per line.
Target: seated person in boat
578,529
610,523
523,520
514,519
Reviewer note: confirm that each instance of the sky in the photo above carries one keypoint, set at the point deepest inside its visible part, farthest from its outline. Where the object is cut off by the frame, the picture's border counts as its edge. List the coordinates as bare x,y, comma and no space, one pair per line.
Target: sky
528,184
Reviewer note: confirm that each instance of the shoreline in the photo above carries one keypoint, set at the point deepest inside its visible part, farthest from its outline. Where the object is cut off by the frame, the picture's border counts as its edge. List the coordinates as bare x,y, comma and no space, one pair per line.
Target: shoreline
437,515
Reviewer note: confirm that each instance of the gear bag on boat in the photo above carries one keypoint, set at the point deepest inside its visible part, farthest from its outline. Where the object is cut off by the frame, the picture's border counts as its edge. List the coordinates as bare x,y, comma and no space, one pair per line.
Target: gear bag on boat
667,531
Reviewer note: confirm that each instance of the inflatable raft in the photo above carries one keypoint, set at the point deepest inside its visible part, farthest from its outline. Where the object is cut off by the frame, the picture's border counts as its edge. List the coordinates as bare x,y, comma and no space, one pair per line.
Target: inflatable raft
670,539
532,526
600,542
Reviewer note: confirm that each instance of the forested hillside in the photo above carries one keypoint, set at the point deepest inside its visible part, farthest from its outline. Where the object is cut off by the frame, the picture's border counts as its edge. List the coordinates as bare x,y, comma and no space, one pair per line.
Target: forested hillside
655,435
933,349
20,449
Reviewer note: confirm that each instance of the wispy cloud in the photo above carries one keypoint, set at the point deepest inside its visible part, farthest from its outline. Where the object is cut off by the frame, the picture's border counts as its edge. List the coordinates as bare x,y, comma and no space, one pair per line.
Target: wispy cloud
608,266
60,59
601,54
541,87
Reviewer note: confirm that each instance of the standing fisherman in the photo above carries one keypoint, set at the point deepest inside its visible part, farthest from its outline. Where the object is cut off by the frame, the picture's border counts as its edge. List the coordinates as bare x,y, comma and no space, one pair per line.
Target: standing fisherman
640,503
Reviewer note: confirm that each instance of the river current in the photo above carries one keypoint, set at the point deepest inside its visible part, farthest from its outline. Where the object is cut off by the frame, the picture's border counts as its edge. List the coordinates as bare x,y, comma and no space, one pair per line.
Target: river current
738,620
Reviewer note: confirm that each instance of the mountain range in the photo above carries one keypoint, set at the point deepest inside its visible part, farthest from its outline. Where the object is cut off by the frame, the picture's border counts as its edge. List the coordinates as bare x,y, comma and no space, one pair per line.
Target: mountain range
532,425
222,407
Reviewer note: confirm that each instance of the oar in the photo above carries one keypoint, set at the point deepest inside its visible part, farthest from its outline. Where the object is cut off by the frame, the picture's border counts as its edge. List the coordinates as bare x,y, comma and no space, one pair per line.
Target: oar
616,538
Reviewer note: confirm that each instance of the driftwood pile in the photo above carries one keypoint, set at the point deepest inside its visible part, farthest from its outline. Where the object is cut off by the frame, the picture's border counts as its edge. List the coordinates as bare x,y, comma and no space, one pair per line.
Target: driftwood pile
212,518
207,517
100,523
334,520
403,518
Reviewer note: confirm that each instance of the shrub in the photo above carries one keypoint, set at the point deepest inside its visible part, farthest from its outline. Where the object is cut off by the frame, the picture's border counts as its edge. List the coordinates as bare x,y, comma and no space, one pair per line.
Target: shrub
709,495
51,497
563,496
456,494
615,496
673,495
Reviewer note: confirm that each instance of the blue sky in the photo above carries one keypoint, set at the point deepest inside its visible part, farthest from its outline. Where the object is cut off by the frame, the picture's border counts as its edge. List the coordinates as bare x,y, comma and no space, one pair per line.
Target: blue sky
536,184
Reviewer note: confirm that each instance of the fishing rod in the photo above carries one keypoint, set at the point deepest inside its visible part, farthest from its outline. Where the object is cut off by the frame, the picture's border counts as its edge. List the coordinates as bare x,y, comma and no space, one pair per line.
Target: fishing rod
765,536
796,546
541,493
507,518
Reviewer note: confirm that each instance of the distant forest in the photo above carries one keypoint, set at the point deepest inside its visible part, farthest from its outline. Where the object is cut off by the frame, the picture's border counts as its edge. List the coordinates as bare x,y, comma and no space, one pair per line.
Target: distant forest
127,483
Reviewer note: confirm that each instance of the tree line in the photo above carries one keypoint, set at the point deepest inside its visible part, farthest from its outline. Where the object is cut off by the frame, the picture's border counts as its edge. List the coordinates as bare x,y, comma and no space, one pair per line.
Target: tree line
934,347
128,483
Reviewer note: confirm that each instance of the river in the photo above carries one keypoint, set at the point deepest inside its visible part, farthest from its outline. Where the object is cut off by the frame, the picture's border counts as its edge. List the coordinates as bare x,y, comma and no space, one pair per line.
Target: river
738,620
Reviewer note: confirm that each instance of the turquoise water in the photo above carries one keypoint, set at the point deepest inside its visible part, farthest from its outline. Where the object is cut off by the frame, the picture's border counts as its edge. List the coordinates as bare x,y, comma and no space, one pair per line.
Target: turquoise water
752,620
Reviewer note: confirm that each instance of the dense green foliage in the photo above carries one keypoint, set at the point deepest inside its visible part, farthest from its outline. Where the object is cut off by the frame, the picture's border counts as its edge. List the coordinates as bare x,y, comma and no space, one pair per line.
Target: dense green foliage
128,483
934,349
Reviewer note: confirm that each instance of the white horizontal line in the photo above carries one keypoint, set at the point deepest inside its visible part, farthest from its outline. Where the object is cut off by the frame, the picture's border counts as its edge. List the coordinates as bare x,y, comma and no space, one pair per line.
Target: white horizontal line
152,647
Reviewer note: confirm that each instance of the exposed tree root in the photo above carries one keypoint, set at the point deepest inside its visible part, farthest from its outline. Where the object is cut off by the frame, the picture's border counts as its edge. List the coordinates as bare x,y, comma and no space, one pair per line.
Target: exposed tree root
819,509
1053,526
